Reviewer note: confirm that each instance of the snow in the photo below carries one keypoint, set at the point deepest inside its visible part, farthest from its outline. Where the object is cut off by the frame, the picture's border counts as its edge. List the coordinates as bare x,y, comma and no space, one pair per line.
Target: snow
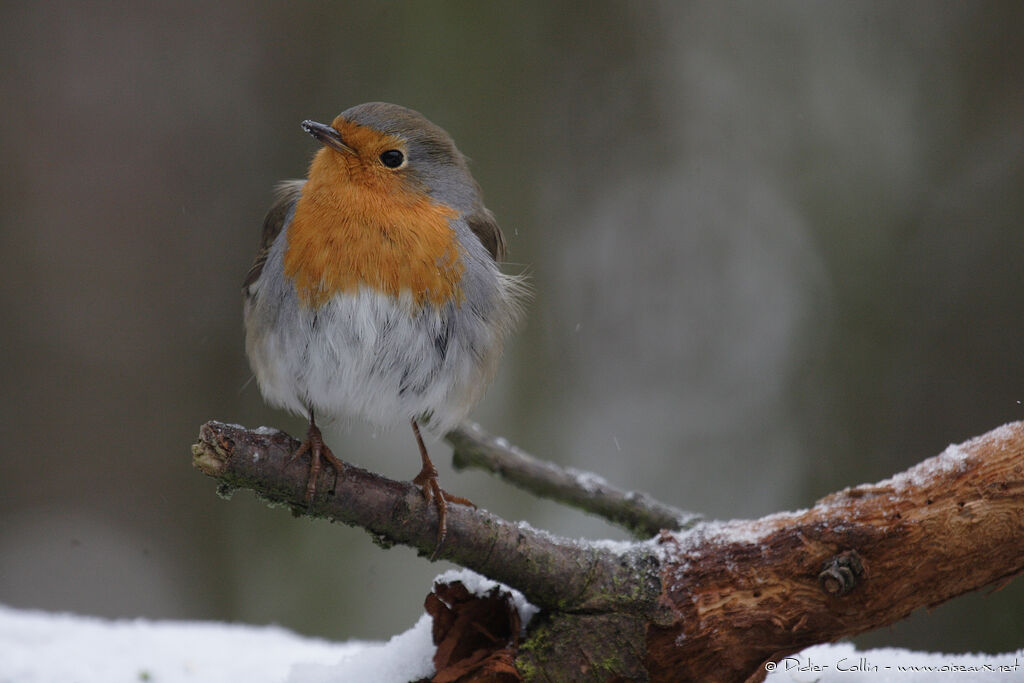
542,534
39,647
587,481
620,548
953,459
265,431
615,547
478,584
406,657
748,531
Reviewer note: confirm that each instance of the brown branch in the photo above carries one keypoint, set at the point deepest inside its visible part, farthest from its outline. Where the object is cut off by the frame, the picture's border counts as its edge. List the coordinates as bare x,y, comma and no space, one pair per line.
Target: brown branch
550,572
749,591
636,511
713,603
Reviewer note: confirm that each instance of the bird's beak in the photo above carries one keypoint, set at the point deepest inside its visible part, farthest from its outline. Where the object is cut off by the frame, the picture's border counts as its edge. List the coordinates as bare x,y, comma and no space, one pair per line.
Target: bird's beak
327,135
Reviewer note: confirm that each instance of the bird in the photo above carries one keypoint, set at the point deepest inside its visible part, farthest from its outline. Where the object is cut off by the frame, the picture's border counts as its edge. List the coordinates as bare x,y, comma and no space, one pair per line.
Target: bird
376,291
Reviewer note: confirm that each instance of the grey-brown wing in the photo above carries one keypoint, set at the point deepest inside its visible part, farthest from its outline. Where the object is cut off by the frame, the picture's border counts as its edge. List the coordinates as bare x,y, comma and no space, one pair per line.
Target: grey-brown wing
485,227
287,194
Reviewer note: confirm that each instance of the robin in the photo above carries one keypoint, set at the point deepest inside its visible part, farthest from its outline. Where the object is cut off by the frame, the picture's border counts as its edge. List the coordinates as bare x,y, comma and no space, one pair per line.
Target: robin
376,291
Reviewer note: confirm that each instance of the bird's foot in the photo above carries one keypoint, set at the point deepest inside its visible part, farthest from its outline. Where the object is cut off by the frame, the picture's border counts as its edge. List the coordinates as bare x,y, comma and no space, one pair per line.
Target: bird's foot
430,485
318,450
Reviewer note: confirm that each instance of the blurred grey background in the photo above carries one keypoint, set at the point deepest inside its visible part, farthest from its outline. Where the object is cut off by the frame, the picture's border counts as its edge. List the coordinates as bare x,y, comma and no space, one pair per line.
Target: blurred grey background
776,250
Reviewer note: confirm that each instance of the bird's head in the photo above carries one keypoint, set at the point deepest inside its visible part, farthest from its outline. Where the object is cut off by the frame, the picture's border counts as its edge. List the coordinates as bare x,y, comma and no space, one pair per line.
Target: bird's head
393,150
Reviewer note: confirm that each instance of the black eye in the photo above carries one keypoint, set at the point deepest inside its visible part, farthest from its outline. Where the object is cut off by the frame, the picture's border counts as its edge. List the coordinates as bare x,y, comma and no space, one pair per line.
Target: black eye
392,158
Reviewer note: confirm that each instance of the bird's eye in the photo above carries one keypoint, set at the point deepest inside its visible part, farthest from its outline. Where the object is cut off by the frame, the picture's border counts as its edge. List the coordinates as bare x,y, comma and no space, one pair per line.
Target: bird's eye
392,158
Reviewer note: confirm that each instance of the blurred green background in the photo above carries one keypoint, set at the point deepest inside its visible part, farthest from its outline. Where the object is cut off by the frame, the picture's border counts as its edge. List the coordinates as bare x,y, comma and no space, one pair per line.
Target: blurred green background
776,250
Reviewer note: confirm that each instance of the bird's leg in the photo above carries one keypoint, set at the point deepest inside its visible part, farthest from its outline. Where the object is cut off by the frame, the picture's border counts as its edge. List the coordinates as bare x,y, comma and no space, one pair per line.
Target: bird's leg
317,449
432,491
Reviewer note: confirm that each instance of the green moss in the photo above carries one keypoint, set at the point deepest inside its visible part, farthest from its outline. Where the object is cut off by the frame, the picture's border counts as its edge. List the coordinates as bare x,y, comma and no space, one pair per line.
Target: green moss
568,644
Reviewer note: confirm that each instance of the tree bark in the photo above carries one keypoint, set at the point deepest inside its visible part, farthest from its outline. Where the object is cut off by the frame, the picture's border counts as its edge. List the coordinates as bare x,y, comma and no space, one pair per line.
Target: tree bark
715,602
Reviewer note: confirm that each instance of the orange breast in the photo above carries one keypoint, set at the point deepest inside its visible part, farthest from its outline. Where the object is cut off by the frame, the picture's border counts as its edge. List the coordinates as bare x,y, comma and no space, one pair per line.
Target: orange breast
346,233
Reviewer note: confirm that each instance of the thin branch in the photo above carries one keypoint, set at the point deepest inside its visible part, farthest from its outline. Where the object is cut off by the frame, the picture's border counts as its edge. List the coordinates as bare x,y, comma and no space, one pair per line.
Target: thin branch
573,576
636,511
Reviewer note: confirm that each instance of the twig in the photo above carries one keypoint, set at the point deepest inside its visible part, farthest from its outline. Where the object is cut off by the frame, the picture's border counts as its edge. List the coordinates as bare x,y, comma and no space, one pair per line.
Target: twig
636,511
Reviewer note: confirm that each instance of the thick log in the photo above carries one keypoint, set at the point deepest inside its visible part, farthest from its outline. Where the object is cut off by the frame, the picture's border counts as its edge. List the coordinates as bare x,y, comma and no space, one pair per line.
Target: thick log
748,592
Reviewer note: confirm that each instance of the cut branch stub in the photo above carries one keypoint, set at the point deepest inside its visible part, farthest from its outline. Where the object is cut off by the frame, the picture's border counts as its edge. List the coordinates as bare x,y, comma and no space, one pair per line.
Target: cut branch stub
841,573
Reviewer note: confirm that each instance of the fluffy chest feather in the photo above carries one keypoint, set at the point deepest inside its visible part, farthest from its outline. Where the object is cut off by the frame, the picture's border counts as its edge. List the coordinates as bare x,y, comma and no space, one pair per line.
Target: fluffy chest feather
345,234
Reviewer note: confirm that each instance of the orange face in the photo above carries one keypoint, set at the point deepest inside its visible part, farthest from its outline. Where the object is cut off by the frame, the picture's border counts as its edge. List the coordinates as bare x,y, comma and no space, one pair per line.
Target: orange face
359,222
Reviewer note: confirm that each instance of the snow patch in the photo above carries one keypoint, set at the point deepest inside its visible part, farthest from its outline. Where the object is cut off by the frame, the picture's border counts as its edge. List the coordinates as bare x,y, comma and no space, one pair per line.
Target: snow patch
616,547
480,585
950,461
406,657
588,481
739,531
266,431
40,647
